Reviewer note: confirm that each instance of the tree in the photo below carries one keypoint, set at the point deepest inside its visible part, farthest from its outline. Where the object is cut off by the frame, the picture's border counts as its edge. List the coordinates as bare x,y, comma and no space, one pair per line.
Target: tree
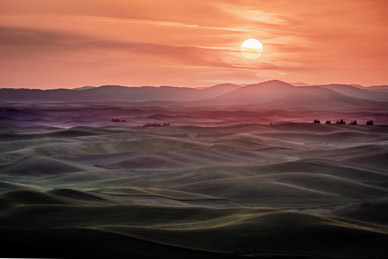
317,121
154,124
328,122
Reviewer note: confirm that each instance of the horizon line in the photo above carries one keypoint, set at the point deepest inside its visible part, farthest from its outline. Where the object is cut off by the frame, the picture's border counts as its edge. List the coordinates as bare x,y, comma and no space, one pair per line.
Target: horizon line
296,84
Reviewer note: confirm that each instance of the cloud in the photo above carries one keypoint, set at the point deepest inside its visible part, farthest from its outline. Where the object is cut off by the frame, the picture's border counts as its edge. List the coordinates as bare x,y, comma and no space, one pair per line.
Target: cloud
342,40
25,41
252,14
158,23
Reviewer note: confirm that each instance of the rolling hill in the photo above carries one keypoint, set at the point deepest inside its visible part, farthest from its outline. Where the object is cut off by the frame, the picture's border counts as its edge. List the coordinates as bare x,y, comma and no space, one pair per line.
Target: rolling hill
215,184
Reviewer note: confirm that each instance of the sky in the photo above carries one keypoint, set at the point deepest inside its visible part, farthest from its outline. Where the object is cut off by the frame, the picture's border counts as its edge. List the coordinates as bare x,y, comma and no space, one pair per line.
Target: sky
191,43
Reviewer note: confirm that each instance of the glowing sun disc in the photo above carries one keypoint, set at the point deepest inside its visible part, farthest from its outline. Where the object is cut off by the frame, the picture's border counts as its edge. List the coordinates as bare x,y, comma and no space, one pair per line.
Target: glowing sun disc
251,49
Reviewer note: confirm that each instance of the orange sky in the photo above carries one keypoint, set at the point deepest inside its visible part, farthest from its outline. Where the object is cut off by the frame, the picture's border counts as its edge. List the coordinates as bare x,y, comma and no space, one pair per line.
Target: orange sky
71,43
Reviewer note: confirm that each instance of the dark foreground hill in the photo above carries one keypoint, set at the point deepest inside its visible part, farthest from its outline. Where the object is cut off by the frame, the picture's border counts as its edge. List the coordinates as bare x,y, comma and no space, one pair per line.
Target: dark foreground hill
68,223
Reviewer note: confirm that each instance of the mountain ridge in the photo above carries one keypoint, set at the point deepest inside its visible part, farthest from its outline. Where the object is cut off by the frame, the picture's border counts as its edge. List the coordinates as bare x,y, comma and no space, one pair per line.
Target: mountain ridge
268,94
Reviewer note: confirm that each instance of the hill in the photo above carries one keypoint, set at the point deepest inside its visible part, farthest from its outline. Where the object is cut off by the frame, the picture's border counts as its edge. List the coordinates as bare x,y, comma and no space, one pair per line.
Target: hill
280,95
272,94
357,92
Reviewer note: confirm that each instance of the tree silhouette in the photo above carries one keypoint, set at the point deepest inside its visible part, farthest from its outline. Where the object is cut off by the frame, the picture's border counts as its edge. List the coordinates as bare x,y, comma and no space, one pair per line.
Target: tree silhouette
340,122
154,124
369,122
317,121
328,122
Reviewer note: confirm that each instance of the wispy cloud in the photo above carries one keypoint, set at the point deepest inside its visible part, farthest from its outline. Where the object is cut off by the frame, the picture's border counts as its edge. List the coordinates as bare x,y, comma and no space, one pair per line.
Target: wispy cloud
45,42
252,13
192,41
156,23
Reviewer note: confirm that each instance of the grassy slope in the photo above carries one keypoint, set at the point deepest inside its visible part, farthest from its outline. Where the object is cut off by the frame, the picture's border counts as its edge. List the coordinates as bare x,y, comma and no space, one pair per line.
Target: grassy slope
49,182
242,231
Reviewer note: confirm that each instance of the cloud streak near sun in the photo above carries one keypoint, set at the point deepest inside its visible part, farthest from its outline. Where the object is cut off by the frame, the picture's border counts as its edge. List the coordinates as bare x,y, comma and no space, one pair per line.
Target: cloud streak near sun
61,43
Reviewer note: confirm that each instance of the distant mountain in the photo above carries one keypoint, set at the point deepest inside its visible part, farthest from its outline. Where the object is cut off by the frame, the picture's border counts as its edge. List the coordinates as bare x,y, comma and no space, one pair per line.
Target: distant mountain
144,93
319,98
87,87
218,90
117,93
357,85
280,95
272,94
256,93
357,92
103,94
300,84
379,88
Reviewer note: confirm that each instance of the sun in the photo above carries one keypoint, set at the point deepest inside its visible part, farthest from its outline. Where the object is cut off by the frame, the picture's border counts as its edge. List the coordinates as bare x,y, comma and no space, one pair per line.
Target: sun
251,49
